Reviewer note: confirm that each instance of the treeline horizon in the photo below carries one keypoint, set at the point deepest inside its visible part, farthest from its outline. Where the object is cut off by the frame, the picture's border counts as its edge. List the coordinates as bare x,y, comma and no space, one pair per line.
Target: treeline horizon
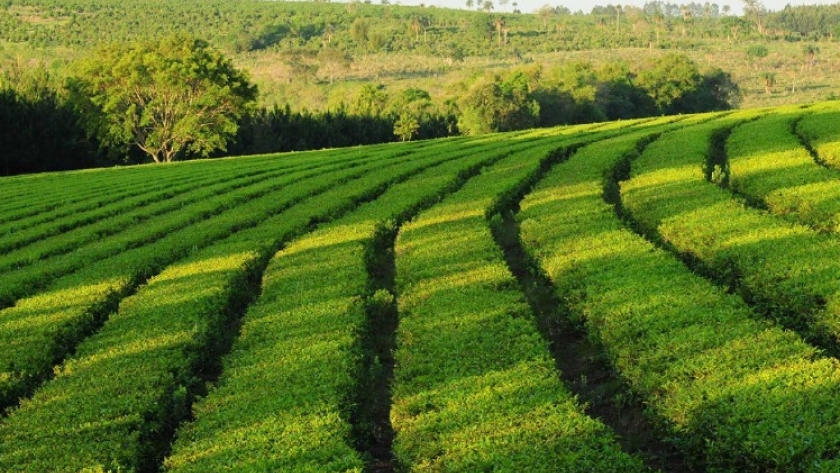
44,130
363,27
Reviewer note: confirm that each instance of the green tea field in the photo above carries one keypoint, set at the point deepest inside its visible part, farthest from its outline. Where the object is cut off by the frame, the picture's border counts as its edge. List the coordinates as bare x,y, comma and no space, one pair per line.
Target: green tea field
634,296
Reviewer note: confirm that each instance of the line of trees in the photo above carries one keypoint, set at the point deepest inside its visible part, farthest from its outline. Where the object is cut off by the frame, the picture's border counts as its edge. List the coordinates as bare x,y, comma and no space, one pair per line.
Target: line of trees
178,98
359,28
581,93
39,128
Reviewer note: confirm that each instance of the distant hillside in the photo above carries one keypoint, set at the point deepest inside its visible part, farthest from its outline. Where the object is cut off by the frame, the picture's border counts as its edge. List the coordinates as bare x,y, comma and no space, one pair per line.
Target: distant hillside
357,27
633,296
338,74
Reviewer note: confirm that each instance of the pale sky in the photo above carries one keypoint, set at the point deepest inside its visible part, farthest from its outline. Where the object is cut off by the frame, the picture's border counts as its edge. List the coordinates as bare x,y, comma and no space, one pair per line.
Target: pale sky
528,6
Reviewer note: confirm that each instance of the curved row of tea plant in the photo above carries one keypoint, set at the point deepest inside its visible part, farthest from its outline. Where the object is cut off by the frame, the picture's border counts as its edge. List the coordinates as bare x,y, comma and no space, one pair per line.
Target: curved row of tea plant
715,378
41,198
474,385
234,176
127,218
32,194
820,130
104,206
81,206
770,166
112,404
38,331
785,270
31,279
286,390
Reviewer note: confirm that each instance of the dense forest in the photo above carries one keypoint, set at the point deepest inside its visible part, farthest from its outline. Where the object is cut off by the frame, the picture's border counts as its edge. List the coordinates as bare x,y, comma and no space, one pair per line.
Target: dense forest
331,44
362,27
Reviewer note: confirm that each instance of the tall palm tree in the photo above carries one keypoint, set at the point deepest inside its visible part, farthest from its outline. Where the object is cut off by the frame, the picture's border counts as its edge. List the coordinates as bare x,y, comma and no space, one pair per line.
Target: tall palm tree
499,23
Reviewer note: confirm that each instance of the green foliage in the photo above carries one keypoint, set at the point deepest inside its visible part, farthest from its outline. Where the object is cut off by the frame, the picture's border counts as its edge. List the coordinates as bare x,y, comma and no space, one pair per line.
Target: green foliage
712,375
360,30
493,104
40,130
167,97
819,130
305,324
120,295
474,389
406,127
315,43
757,51
808,21
371,100
256,25
676,86
669,79
568,93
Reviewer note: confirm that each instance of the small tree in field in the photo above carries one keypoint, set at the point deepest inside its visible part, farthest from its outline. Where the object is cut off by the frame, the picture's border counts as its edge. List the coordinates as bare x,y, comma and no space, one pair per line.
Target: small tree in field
755,53
811,52
406,126
769,79
166,97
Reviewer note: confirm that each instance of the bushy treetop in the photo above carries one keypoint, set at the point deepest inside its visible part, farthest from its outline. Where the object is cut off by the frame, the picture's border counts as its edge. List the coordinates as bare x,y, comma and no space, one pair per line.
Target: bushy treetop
167,97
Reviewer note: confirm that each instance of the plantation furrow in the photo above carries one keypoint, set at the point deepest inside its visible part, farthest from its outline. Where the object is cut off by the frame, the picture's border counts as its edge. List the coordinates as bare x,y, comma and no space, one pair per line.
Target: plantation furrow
139,215
373,432
739,393
70,217
786,271
301,345
582,363
29,280
155,349
772,169
39,331
30,194
819,131
42,203
474,386
17,227
27,197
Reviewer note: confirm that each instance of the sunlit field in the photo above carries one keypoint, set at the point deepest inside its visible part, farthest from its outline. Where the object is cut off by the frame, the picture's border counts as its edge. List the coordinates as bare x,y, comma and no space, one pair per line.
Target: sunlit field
411,307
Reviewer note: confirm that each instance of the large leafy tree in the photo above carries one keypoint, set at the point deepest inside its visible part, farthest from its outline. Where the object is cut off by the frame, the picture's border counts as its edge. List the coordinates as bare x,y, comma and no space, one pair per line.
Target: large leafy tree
676,86
493,104
168,97
669,79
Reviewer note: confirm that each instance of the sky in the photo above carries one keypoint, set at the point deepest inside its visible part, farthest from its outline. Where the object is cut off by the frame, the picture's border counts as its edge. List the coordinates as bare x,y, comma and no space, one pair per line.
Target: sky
528,6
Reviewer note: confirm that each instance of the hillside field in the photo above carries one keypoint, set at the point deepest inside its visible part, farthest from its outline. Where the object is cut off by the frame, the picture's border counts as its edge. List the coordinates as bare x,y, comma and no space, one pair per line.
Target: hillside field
644,295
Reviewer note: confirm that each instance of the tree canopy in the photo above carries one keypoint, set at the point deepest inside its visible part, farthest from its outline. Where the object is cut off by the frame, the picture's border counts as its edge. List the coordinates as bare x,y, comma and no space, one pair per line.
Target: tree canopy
493,104
167,97
676,86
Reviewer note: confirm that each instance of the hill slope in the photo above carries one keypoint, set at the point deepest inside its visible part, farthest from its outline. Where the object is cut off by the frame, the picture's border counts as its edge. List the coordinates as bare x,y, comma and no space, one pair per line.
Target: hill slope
434,305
